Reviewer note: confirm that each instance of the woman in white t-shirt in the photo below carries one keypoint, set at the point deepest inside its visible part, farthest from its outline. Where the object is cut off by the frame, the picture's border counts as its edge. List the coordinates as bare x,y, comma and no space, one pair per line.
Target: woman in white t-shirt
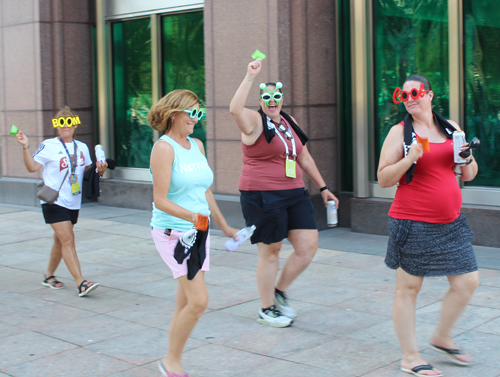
63,159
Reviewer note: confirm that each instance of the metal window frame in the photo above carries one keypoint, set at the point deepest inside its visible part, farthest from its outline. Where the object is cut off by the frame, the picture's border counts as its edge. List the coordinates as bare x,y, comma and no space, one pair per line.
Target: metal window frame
360,51
108,11
123,9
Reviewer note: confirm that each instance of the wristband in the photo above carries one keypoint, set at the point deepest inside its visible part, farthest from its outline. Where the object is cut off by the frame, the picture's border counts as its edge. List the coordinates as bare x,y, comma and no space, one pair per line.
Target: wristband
26,147
323,189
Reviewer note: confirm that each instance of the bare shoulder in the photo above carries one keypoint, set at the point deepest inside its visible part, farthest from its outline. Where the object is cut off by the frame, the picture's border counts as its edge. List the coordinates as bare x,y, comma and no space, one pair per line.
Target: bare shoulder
454,124
162,149
199,143
396,132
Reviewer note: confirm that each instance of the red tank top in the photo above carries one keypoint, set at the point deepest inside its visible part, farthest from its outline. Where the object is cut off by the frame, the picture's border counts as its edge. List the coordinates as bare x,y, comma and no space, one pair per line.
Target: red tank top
433,195
264,164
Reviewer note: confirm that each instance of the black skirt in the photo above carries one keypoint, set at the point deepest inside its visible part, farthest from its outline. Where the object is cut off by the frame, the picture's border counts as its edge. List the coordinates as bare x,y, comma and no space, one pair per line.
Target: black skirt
426,249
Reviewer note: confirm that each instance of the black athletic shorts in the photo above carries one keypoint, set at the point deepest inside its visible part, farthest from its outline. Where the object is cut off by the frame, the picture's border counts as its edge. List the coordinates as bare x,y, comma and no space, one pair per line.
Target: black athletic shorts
274,213
52,213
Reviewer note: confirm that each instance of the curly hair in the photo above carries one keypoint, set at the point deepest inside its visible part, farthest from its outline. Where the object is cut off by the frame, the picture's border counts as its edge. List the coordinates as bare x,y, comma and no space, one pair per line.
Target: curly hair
160,115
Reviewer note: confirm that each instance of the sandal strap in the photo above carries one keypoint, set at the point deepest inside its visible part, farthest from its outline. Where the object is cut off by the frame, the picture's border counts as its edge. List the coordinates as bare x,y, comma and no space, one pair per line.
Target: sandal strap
83,284
422,367
50,277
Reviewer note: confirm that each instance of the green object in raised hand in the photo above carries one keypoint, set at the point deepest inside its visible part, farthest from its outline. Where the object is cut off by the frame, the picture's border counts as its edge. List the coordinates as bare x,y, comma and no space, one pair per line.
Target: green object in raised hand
13,131
257,54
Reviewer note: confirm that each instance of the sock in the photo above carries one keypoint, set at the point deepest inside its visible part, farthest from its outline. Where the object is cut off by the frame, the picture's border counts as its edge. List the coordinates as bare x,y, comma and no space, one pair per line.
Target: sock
281,293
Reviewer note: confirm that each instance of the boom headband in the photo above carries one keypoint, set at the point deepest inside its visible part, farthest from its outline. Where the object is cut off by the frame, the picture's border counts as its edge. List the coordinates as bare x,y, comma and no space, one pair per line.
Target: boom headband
399,96
66,121
276,94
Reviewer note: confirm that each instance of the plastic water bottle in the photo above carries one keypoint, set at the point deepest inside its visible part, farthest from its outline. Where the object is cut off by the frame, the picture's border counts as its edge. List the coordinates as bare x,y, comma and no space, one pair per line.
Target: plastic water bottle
99,153
243,235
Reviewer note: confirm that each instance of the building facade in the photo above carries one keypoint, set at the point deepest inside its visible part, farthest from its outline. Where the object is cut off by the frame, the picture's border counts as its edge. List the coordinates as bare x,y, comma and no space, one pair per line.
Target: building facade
339,62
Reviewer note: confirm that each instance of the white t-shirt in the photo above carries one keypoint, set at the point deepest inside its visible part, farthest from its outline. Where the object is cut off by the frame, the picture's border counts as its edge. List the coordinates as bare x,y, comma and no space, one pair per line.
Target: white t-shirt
52,155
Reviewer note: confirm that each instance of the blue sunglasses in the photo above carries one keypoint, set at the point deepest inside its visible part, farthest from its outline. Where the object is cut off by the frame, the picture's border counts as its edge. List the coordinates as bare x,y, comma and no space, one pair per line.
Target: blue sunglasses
195,113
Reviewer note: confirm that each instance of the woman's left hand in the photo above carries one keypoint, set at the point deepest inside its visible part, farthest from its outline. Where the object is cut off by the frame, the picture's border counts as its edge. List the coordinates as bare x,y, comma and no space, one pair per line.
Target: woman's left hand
327,196
101,167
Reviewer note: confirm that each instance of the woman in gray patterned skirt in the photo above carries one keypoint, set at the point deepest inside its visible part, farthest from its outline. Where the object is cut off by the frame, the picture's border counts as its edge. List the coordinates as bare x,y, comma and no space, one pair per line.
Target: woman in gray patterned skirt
428,236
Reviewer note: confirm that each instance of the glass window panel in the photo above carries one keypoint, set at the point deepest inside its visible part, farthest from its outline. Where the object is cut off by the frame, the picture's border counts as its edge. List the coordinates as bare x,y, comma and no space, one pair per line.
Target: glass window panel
410,37
132,89
482,85
183,58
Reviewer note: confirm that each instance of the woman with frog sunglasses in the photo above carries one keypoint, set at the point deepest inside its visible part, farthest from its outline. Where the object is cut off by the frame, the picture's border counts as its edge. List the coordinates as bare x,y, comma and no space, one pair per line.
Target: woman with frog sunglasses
273,194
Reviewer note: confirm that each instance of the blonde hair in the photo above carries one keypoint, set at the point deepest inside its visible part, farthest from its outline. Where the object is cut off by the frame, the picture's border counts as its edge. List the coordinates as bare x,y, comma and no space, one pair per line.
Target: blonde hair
159,117
65,112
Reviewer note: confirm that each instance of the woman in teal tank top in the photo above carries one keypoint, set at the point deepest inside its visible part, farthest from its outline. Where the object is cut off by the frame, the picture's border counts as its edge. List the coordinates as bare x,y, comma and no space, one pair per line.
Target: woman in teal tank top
182,196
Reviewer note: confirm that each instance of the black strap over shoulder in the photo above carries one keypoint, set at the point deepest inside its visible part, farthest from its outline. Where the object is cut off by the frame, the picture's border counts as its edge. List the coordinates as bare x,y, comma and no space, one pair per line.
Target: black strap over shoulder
269,133
409,136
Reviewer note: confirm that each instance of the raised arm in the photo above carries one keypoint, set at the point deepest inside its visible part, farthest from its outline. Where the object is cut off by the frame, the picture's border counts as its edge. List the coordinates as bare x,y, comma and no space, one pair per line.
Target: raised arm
31,164
393,165
246,119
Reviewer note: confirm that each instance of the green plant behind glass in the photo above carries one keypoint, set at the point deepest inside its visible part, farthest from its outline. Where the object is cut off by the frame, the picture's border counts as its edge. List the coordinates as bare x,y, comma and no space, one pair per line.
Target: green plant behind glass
184,58
409,38
132,92
482,86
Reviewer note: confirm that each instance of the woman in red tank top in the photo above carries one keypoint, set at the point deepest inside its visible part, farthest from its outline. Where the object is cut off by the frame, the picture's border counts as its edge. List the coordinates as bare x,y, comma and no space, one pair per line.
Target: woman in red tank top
273,196
428,236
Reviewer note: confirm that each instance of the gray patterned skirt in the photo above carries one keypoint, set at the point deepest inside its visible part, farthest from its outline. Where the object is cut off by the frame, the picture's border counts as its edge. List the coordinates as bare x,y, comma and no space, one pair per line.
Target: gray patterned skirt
426,249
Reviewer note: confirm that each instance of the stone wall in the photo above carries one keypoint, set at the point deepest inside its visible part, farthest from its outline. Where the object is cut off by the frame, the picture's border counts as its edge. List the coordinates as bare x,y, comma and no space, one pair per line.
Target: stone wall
46,63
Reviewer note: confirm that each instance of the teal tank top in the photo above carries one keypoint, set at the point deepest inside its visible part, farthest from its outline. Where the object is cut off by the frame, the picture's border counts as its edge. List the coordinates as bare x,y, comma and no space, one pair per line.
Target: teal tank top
191,178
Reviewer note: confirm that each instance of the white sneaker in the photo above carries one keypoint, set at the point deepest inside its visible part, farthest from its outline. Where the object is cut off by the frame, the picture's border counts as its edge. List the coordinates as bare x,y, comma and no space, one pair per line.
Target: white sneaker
281,304
273,317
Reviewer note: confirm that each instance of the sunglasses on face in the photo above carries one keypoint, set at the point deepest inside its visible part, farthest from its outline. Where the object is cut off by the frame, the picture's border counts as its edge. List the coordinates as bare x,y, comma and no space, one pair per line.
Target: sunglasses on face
195,113
404,96
66,122
276,94
266,97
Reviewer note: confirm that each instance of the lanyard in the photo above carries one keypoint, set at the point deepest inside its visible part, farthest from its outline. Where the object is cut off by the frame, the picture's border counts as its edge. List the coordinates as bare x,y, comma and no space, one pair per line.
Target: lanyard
71,162
272,125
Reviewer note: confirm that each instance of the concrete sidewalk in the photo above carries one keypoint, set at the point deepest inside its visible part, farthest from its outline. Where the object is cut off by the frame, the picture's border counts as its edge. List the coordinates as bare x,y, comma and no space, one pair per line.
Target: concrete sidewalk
344,301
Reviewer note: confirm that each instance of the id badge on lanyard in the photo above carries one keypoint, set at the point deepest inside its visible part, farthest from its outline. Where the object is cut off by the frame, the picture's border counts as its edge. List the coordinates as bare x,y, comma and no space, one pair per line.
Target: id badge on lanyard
290,166
73,178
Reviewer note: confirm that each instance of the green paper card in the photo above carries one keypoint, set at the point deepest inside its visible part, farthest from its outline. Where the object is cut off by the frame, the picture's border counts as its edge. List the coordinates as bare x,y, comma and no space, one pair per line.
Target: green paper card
13,131
257,54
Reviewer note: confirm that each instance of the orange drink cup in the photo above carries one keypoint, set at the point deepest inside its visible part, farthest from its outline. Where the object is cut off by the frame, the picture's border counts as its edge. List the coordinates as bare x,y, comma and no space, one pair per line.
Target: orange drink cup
424,142
201,222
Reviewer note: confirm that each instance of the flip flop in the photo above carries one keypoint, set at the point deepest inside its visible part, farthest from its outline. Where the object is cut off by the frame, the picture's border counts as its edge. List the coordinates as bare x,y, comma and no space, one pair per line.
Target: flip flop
416,371
452,353
166,373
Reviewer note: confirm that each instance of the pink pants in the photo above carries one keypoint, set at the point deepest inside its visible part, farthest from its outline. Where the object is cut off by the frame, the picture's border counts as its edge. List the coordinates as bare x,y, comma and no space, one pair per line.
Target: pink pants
166,246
